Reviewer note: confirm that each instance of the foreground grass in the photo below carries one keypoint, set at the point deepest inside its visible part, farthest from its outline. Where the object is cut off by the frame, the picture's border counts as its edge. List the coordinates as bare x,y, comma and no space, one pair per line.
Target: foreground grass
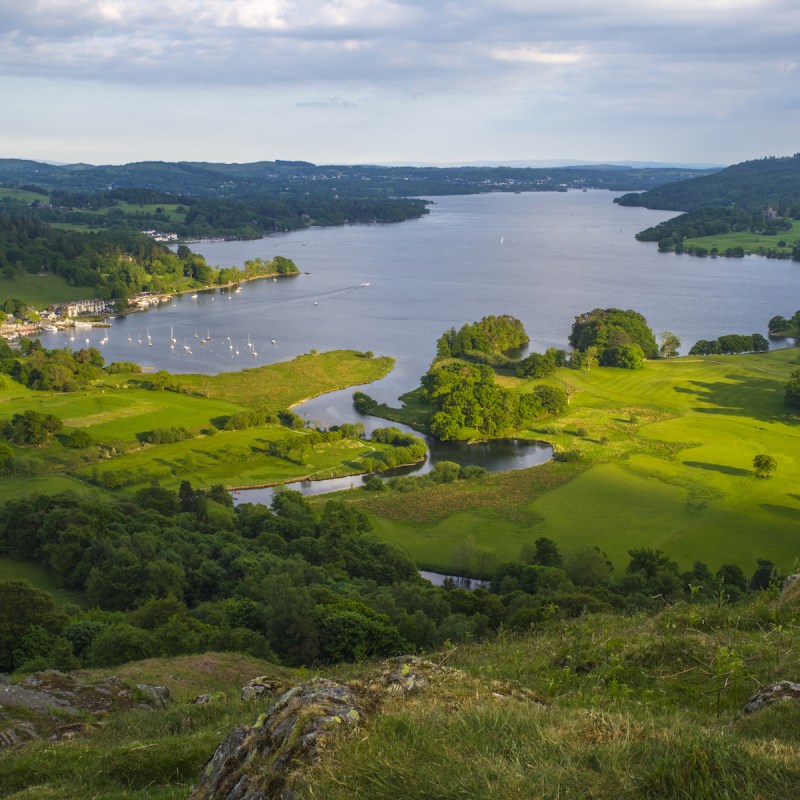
141,754
607,707
663,459
633,707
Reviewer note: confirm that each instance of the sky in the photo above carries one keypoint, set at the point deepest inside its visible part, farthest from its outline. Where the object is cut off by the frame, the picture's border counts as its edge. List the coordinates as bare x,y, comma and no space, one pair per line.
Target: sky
399,81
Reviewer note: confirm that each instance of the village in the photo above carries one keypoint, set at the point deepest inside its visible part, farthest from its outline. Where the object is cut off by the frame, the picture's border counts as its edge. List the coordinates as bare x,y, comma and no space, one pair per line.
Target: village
76,314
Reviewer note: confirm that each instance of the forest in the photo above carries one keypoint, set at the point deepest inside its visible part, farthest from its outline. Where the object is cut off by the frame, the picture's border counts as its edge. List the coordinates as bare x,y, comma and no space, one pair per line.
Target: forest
115,263
758,185
165,573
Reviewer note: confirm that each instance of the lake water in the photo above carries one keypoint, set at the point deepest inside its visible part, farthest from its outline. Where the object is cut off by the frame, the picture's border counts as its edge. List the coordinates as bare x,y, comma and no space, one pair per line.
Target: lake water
561,254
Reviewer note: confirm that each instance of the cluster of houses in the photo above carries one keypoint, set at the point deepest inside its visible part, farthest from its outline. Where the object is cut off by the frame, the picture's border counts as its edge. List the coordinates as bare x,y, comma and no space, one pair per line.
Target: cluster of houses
160,236
75,313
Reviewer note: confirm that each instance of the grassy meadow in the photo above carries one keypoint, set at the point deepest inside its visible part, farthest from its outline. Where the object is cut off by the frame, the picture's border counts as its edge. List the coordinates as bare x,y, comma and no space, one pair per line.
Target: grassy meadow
43,290
663,459
288,383
22,195
117,411
749,242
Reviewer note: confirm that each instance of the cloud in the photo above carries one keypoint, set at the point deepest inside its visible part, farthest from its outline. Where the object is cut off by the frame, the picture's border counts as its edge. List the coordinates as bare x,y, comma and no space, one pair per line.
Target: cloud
328,102
534,55
370,42
508,66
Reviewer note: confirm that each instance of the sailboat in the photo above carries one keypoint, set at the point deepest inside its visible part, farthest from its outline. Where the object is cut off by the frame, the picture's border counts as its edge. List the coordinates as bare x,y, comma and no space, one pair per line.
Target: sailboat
172,338
149,339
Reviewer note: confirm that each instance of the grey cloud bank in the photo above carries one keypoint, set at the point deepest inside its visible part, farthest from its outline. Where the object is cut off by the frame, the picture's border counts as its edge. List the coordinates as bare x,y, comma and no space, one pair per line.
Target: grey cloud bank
367,80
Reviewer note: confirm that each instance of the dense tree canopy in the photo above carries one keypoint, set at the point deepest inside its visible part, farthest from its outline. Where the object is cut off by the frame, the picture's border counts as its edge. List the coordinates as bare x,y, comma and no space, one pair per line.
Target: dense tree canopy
491,336
730,344
622,338
467,399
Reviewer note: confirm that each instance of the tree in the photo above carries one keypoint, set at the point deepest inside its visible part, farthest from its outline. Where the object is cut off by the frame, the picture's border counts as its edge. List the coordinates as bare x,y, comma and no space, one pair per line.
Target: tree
626,356
23,606
32,428
546,553
777,324
6,456
588,357
764,465
670,344
759,343
792,390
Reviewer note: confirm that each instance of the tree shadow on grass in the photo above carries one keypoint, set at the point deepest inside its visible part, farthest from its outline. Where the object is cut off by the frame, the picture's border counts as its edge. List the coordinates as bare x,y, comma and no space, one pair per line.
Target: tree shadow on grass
745,395
783,511
719,468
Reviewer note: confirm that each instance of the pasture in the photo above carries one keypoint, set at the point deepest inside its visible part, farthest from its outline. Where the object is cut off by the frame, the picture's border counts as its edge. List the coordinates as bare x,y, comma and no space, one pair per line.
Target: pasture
43,290
663,459
117,412
749,242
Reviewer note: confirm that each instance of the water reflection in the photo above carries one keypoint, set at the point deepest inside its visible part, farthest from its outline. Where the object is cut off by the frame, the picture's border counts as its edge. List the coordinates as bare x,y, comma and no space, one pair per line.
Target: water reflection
499,455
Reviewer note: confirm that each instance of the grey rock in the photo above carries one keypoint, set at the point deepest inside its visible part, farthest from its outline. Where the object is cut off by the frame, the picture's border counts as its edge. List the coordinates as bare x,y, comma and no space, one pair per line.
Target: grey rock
200,700
259,687
777,692
157,696
263,762
257,763
18,734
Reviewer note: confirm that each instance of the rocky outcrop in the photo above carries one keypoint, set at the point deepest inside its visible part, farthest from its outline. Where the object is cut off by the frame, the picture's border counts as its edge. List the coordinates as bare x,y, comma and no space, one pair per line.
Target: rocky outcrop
778,692
262,762
36,707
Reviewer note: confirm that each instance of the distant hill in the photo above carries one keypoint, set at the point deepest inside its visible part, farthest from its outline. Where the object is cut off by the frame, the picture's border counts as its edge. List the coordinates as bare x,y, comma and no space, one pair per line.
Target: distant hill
300,178
767,183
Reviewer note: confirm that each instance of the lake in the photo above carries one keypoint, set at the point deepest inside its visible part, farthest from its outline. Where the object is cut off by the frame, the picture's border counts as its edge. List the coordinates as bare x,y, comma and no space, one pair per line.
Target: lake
394,288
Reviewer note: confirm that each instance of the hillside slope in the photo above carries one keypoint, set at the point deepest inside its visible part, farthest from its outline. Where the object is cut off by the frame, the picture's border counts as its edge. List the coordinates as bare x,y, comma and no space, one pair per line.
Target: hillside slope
603,706
755,185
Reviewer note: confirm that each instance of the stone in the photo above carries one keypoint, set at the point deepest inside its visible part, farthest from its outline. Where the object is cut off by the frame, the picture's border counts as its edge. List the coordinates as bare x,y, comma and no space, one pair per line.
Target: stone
768,695
18,734
157,696
259,687
258,762
42,693
262,762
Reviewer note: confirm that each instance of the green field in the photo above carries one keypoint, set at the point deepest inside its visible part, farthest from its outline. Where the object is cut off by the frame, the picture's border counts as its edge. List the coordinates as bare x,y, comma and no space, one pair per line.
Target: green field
665,461
235,458
12,569
43,290
749,242
117,411
169,211
22,195
290,382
